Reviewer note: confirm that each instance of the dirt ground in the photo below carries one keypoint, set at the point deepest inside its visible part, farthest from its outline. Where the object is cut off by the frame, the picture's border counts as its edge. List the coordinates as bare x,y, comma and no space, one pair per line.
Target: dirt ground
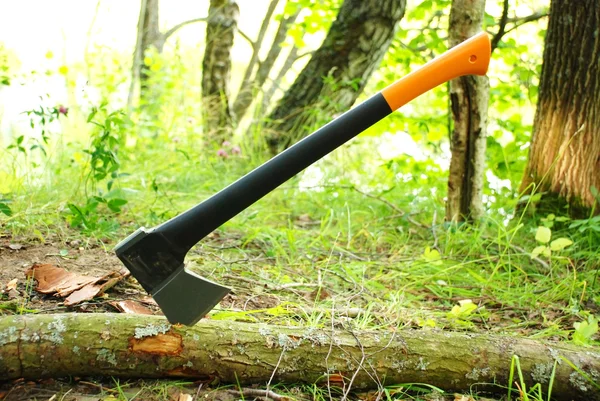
88,259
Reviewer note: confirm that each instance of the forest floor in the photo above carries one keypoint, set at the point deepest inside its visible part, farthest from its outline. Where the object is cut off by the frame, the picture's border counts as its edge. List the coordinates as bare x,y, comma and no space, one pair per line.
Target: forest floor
297,289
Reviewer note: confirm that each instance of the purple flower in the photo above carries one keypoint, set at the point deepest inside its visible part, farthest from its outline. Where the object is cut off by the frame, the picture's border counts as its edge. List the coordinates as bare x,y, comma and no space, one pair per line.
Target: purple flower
63,110
236,150
226,144
222,153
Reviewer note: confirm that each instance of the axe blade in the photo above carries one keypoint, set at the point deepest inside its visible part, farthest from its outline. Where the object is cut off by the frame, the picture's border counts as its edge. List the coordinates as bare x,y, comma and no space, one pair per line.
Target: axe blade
183,296
187,297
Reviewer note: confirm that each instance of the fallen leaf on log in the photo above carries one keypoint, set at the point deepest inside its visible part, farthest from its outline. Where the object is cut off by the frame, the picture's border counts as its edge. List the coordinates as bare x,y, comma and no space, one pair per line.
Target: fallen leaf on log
132,307
76,287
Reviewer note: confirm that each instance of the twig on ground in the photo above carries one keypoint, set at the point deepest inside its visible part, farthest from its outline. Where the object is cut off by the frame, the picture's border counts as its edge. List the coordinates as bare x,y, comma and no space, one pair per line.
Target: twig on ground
256,392
197,392
433,227
276,367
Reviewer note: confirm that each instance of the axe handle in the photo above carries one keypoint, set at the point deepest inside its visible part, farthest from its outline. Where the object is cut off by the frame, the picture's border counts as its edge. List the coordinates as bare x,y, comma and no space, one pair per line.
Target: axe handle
185,230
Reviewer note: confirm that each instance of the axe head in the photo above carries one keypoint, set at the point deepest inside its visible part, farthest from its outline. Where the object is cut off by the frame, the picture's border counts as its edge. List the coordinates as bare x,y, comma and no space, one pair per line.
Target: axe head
183,296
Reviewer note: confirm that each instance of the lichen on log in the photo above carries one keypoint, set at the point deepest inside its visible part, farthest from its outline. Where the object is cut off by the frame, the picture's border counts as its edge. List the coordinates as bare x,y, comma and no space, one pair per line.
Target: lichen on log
35,346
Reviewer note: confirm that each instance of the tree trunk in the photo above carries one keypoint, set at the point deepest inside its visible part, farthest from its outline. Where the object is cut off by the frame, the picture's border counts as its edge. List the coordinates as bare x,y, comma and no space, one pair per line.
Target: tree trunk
34,346
244,98
245,94
216,68
469,98
564,158
338,71
150,37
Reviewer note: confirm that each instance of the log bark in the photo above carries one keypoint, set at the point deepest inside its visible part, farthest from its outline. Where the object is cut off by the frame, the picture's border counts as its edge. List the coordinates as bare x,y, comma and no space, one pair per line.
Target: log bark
35,346
469,98
564,157
216,69
338,71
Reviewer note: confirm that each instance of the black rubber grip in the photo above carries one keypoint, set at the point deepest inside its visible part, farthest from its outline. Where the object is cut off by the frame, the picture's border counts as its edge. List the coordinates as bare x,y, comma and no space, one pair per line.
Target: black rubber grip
185,230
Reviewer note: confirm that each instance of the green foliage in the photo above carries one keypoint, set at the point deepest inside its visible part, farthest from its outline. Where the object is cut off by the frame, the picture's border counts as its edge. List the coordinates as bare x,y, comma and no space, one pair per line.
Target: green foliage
316,18
543,235
40,118
585,331
5,209
103,166
5,66
356,240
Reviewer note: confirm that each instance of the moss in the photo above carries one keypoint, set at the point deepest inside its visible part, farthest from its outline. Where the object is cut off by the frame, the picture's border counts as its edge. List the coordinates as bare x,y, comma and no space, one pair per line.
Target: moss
8,336
540,373
56,328
151,330
105,355
422,365
478,373
578,381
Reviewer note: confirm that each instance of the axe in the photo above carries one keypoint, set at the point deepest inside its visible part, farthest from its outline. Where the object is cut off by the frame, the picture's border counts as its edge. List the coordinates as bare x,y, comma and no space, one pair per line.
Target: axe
156,256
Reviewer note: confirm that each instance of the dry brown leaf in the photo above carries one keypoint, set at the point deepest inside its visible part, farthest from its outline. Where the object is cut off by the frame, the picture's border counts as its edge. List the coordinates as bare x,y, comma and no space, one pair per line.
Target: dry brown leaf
77,288
149,300
52,279
85,293
11,285
184,397
132,307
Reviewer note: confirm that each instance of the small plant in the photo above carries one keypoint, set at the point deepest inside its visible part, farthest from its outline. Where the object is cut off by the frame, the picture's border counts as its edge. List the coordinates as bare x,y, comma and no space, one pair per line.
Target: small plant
585,331
41,118
4,208
543,236
463,312
103,167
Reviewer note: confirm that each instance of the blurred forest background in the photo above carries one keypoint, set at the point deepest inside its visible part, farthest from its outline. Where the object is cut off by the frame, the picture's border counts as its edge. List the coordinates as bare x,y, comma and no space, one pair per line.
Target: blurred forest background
116,115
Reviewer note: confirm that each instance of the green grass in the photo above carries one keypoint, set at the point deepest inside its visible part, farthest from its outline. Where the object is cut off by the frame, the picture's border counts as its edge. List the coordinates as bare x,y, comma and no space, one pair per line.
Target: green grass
361,247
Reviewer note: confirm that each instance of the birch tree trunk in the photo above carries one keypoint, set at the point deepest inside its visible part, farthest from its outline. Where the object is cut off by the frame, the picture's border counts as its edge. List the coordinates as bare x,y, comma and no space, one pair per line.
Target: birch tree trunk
338,71
216,69
36,346
564,157
469,98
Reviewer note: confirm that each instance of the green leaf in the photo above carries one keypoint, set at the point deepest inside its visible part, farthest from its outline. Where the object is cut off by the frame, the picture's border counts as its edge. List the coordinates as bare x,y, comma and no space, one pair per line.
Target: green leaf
584,331
560,243
543,235
4,208
542,249
115,204
462,311
432,255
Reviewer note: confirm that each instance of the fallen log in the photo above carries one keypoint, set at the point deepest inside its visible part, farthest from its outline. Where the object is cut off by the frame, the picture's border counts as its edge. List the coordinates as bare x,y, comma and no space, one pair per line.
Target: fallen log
36,346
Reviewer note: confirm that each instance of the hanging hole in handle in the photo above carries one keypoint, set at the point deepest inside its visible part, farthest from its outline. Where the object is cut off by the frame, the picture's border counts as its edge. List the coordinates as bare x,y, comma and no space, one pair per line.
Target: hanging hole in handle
472,58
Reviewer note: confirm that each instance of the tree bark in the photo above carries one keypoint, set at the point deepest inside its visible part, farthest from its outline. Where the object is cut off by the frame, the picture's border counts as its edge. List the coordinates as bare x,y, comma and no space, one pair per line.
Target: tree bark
564,157
35,346
216,68
245,95
149,20
338,71
469,98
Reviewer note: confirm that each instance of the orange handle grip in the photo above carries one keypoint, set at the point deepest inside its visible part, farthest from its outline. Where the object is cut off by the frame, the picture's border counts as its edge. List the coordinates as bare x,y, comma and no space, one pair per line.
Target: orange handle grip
471,57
